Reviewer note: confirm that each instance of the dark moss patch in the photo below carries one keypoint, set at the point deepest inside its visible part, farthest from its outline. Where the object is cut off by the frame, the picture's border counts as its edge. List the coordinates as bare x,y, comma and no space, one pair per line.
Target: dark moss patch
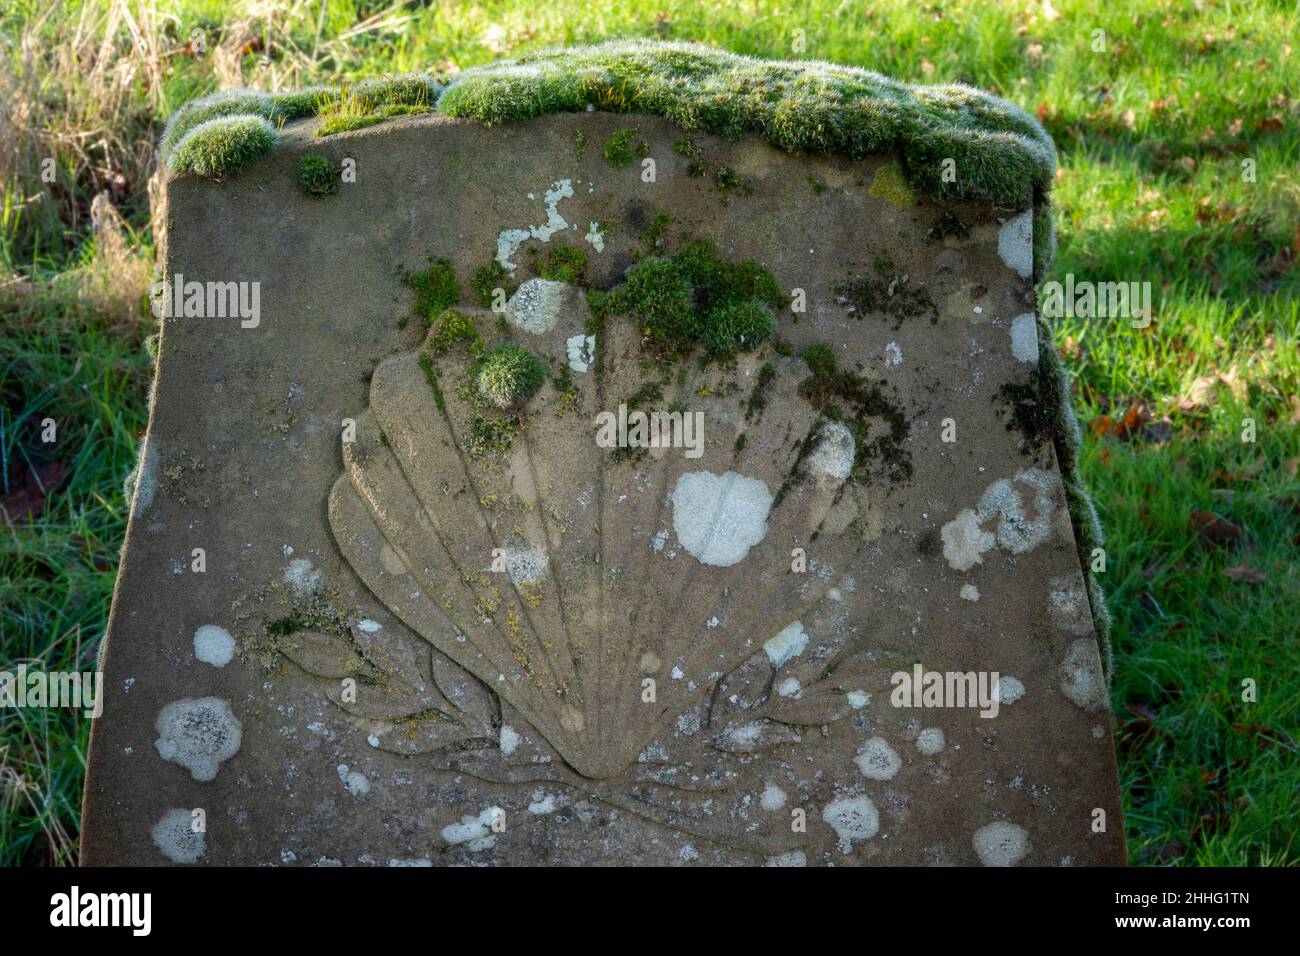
436,289
863,407
758,397
487,279
656,231
887,292
727,181
317,176
620,151
947,225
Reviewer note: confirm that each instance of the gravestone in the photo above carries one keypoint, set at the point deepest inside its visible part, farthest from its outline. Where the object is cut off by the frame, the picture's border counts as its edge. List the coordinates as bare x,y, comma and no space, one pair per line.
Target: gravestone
407,580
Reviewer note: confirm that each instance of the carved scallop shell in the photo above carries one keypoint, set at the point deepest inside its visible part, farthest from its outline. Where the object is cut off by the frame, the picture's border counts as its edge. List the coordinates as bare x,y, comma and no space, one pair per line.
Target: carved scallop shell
626,584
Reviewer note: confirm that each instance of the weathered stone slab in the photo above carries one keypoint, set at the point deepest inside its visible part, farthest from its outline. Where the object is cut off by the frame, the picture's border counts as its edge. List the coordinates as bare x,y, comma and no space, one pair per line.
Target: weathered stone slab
566,653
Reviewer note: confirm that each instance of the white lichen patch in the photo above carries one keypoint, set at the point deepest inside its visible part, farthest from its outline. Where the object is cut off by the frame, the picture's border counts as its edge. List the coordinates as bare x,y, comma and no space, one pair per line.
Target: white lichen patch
595,237
792,858
858,699
853,819
1001,844
1024,337
773,798
789,642
789,687
893,355
1067,604
1016,243
877,760
213,645
1008,690
719,518
930,741
1015,514
1080,675
835,451
964,541
198,734
537,305
581,351
524,563
175,838
475,832
302,578
969,592
354,780
509,739
510,240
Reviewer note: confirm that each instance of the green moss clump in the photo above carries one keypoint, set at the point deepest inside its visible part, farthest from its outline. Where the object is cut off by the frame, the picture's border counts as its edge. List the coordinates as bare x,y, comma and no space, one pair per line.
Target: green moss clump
564,263
657,230
821,361
317,176
507,375
619,151
219,147
374,101
887,293
436,289
659,298
739,327
692,298
487,279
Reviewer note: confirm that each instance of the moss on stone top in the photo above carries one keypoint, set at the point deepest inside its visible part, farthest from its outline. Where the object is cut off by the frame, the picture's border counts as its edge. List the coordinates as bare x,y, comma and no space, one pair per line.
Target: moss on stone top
1001,154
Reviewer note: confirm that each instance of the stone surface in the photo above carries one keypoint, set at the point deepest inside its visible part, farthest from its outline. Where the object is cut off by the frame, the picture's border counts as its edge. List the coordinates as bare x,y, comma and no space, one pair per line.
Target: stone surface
500,616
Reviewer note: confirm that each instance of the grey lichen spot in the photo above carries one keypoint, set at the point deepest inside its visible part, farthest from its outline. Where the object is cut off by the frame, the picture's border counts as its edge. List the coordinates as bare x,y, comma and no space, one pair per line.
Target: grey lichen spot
718,518
581,351
537,305
789,642
1008,690
1016,243
1020,510
853,819
793,858
175,838
1024,337
198,734
524,563
930,741
877,760
1001,844
1067,604
141,484
834,454
1080,674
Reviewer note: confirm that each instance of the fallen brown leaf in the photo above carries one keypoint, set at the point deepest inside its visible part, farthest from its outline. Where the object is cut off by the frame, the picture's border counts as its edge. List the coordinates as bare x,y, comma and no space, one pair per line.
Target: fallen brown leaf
1213,529
1247,575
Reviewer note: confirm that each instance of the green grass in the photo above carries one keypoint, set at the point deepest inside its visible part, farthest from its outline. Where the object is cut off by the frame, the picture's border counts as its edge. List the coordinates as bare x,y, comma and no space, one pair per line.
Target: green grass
1151,134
